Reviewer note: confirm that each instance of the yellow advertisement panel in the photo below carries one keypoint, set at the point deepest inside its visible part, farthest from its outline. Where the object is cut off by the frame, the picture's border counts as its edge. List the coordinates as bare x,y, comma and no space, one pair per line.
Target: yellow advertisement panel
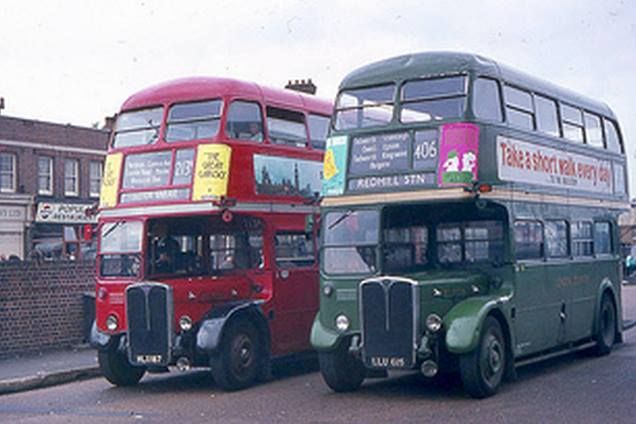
212,171
110,182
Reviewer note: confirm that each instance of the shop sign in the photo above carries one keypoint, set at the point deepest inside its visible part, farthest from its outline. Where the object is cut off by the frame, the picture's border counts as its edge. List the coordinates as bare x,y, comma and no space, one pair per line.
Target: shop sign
12,213
64,213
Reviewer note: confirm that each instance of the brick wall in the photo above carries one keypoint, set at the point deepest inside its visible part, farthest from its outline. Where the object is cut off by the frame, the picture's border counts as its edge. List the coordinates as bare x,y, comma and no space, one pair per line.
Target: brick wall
41,305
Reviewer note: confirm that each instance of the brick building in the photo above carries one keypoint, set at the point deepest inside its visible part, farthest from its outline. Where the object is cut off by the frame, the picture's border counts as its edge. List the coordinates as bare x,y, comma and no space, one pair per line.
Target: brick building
49,174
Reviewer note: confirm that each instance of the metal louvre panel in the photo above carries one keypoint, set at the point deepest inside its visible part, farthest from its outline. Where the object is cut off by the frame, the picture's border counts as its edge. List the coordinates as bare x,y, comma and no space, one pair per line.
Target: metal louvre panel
149,314
388,313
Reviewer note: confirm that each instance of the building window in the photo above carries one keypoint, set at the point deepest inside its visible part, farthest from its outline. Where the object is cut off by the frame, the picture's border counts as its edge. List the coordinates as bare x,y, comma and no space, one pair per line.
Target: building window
71,177
7,172
45,175
95,178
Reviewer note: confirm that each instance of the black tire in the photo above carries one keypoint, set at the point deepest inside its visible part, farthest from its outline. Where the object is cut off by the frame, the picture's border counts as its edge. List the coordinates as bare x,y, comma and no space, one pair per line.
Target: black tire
235,366
341,371
115,367
605,327
482,370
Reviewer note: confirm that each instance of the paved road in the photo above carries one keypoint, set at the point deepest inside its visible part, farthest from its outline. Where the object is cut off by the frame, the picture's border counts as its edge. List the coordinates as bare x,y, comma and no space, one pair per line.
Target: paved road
574,388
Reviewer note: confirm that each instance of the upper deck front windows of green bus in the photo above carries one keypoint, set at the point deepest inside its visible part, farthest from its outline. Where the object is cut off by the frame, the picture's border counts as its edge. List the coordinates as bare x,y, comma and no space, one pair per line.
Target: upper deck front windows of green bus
138,128
350,240
365,107
120,247
433,99
193,121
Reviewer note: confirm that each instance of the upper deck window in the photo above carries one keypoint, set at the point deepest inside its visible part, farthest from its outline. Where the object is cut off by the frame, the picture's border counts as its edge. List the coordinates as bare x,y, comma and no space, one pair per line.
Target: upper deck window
138,128
193,121
286,127
486,99
433,99
611,135
547,118
519,109
572,121
593,132
318,128
365,107
244,121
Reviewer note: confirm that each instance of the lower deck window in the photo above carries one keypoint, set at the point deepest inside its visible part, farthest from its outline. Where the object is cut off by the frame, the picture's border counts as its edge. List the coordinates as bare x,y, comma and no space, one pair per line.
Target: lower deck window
470,241
294,250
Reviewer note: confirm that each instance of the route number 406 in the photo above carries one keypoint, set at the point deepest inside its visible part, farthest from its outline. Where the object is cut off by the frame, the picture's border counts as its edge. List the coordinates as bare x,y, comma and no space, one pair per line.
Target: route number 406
425,150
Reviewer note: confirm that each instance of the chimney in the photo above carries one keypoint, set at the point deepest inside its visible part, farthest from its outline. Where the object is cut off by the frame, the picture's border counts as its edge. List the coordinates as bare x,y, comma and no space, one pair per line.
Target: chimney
303,86
1,104
109,122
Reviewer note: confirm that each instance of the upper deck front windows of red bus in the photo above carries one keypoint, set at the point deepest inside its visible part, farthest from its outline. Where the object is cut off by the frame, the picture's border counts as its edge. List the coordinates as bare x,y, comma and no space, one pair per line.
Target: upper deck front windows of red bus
119,249
138,128
193,121
244,121
433,99
365,107
286,127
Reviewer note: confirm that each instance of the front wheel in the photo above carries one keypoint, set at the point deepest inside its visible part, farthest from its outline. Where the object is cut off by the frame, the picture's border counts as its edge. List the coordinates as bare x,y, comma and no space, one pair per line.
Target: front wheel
605,327
236,364
482,369
115,367
341,371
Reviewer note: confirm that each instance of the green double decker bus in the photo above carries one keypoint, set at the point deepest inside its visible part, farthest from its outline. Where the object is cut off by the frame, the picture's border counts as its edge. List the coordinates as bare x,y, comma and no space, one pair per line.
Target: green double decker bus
469,223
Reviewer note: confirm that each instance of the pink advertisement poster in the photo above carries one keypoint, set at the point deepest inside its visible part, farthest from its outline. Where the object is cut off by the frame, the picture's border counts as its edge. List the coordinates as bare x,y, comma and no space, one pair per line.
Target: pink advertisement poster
458,154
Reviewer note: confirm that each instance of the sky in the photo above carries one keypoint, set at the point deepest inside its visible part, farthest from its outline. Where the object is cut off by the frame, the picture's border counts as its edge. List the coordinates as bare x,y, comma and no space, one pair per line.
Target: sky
77,61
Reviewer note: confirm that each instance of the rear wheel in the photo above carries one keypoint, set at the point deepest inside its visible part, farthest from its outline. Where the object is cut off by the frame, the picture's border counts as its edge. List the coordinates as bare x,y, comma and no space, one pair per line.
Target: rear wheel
236,364
482,369
114,365
605,327
341,371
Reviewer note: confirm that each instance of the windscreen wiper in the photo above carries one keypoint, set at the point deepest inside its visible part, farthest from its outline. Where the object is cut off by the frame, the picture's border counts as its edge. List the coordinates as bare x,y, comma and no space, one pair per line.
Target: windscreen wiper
339,220
113,228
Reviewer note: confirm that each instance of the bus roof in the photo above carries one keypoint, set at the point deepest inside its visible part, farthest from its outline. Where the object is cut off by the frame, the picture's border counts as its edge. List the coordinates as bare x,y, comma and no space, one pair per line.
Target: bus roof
202,88
417,65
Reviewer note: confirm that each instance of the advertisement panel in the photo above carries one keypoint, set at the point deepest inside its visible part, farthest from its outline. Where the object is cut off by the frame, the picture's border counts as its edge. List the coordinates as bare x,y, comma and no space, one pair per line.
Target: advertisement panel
523,162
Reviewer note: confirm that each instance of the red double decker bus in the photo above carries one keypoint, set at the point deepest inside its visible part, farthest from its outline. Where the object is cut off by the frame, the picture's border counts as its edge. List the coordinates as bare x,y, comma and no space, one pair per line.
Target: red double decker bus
207,255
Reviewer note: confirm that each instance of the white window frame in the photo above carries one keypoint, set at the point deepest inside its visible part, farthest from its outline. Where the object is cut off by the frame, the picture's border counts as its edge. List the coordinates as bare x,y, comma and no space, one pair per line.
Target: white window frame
75,191
49,189
100,169
13,173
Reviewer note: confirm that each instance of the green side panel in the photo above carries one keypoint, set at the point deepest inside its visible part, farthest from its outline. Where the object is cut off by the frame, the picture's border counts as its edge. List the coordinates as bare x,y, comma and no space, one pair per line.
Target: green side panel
463,323
321,337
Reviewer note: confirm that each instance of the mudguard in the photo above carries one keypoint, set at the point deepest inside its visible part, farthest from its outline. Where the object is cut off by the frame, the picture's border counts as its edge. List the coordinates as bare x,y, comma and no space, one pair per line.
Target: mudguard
99,340
607,284
464,321
211,329
323,338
